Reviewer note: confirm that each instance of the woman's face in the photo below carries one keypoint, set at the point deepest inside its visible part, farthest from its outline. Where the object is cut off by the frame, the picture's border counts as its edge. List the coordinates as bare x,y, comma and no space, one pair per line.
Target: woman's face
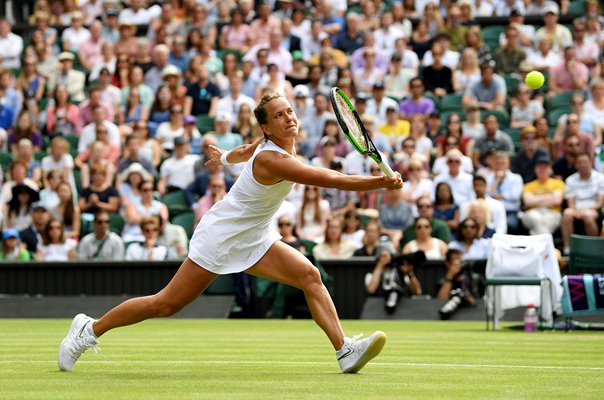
23,197
311,192
61,94
24,122
146,190
64,192
334,229
134,179
353,220
443,192
372,233
98,176
423,229
54,231
469,229
477,215
150,231
164,95
245,113
285,225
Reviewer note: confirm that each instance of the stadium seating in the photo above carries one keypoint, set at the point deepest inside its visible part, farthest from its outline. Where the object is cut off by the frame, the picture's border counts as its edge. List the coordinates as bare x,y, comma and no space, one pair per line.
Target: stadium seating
205,123
451,102
586,254
514,134
116,223
554,115
560,100
186,221
502,117
176,203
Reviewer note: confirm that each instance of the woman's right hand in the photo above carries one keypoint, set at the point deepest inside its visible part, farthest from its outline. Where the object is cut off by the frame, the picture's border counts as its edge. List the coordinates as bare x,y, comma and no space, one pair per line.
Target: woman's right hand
215,154
394,183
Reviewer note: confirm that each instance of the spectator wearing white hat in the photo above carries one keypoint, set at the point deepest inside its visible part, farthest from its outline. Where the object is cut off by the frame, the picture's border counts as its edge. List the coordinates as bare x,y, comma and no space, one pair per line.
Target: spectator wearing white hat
225,139
559,34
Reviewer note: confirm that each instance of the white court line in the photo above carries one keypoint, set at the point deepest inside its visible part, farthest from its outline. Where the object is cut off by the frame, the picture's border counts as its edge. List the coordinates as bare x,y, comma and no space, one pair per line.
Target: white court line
381,364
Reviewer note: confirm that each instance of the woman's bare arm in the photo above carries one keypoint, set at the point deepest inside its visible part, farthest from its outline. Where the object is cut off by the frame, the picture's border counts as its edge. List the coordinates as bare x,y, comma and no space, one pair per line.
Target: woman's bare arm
238,155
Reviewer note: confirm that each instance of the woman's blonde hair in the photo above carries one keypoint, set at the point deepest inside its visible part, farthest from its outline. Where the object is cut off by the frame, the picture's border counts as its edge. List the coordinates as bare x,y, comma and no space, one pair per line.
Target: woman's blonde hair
480,204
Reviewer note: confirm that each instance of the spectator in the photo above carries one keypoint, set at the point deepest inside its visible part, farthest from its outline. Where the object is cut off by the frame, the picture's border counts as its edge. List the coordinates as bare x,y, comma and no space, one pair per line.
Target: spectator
584,197
595,106
12,248
99,195
103,131
417,104
25,154
133,110
417,184
489,92
524,162
32,235
110,25
352,229
440,164
587,120
479,211
135,212
433,248
67,211
202,96
475,42
48,195
313,214
351,38
506,186
367,76
215,194
526,111
174,237
136,80
542,200
340,201
450,57
86,110
564,166
73,37
509,57
154,76
127,44
233,102
102,244
425,209
18,210
453,129
61,115
59,159
141,148
468,72
236,35
18,175
89,51
274,81
561,36
264,24
570,74
573,128
137,13
334,245
129,182
494,140
469,242
375,198
327,150
395,215
543,57
10,100
421,39
458,180
99,153
24,129
286,230
31,83
72,79
372,246
398,77
331,134
379,104
149,250
177,172
445,207
11,46
105,66
55,246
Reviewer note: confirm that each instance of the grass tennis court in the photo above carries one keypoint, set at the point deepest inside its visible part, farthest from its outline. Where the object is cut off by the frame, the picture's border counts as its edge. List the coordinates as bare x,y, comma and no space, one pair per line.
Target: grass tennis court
291,359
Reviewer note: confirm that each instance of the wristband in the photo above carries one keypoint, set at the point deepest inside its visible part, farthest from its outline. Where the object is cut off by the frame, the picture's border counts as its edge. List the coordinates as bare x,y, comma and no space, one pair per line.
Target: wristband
223,158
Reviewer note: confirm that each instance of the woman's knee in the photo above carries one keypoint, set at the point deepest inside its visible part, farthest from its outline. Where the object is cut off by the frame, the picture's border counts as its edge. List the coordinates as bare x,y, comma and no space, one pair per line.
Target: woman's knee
163,307
311,278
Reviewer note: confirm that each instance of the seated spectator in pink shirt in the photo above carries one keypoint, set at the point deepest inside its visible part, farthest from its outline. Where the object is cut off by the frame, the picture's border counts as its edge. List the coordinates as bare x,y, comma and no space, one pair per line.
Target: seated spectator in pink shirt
90,50
217,192
85,114
570,74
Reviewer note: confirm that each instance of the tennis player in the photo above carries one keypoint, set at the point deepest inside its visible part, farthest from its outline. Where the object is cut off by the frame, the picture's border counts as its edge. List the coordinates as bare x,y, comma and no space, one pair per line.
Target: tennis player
236,235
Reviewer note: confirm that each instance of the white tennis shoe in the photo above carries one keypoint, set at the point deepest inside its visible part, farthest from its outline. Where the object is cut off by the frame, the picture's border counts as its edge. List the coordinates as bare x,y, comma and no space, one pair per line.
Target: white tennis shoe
357,352
77,341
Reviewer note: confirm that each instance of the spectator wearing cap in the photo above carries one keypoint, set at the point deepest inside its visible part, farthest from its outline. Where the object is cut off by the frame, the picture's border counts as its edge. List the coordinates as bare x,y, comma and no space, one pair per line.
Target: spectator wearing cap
489,92
12,248
128,183
418,104
225,138
561,35
542,199
299,73
509,57
459,180
231,102
32,235
506,186
523,162
192,134
11,46
302,104
74,80
110,25
76,34
89,52
379,103
177,172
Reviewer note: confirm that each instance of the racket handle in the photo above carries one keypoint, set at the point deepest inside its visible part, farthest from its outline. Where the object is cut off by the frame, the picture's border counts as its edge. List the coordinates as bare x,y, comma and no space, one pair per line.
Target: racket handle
386,169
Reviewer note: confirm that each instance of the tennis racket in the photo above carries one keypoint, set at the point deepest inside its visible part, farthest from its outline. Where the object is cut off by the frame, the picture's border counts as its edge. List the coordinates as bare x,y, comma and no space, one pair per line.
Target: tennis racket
355,131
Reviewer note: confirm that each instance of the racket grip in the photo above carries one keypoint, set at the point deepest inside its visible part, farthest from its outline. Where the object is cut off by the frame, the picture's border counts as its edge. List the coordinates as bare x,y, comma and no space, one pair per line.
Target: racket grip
386,169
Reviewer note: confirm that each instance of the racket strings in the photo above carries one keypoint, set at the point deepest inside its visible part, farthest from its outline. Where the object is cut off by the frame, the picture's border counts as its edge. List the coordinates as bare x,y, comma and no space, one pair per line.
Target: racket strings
351,122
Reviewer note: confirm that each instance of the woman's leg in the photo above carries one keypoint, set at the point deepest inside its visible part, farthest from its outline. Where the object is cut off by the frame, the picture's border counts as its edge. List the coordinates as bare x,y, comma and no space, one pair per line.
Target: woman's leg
187,284
287,265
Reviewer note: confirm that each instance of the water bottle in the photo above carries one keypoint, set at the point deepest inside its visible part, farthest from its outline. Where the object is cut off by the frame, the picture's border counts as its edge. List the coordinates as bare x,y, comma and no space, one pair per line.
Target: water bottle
530,319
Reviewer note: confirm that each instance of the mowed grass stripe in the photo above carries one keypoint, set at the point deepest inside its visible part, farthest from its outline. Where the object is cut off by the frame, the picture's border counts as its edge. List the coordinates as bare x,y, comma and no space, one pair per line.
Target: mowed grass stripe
261,359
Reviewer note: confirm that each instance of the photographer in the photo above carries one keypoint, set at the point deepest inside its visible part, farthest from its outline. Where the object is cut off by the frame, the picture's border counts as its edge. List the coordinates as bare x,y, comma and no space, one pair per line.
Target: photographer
393,276
456,286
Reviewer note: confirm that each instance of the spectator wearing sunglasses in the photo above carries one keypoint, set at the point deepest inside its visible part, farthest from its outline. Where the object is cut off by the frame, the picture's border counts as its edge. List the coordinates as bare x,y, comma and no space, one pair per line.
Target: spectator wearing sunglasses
468,242
439,229
102,244
149,250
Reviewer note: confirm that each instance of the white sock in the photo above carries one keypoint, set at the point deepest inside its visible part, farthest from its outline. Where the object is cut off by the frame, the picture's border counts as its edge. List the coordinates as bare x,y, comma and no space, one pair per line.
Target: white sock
90,330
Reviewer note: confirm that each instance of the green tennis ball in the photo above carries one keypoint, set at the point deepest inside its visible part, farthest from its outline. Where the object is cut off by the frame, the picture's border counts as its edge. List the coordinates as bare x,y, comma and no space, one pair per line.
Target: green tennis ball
534,79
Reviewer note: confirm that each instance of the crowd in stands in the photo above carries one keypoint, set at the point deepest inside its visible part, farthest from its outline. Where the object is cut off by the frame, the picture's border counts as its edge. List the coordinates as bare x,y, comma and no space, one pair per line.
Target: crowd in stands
107,109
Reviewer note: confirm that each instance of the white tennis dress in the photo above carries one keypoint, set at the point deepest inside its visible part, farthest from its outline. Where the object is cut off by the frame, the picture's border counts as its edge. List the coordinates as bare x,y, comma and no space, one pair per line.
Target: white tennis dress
237,230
